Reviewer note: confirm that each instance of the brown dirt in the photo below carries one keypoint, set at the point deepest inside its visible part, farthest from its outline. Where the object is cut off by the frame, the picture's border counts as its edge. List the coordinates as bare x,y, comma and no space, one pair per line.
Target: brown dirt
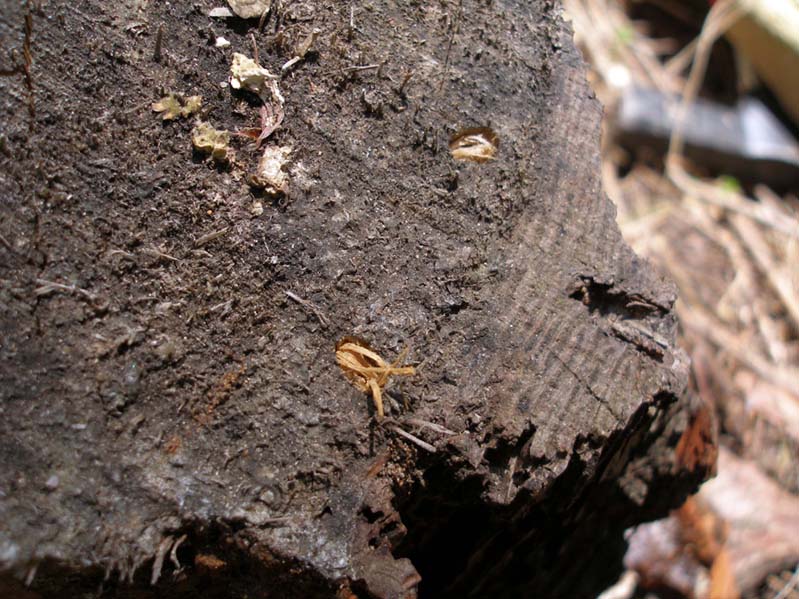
165,387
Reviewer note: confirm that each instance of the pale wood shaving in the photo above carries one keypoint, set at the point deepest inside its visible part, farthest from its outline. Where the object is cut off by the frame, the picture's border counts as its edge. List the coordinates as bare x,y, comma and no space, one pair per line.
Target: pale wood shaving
365,369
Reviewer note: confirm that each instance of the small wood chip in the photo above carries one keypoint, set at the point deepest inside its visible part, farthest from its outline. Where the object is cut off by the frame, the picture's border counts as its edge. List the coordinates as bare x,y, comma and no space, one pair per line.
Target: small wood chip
367,370
250,9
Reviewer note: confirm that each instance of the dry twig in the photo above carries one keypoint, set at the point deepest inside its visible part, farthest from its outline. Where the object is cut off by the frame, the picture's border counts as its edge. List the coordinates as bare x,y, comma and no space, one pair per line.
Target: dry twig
780,280
310,305
209,237
721,17
413,439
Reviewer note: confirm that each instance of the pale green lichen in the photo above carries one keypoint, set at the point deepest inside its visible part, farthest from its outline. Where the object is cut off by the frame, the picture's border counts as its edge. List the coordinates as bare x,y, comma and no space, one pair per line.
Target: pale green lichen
211,141
174,106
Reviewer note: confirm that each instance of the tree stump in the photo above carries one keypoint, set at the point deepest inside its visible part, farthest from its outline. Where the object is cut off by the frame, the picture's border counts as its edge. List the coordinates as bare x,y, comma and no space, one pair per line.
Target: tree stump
173,418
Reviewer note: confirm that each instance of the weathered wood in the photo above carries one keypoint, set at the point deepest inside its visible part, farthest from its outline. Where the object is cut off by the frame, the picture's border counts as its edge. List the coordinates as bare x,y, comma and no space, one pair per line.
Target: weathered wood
154,391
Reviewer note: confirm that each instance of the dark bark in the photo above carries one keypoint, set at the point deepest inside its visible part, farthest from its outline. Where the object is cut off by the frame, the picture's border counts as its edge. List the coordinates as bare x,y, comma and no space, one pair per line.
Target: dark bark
164,389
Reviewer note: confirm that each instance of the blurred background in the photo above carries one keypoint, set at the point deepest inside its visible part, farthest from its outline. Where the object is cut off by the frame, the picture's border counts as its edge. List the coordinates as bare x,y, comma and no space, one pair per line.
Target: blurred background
700,156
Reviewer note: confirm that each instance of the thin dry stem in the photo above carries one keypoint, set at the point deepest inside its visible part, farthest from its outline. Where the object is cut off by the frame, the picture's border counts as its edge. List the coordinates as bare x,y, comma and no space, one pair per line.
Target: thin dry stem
413,439
779,279
734,202
209,237
721,17
712,329
310,305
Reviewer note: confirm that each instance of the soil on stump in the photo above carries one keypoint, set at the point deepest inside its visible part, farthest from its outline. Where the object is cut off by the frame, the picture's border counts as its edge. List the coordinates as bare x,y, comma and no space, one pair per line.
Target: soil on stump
173,417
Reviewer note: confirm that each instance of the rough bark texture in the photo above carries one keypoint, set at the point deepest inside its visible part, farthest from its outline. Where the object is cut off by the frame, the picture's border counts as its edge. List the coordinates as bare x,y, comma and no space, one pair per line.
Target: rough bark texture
167,389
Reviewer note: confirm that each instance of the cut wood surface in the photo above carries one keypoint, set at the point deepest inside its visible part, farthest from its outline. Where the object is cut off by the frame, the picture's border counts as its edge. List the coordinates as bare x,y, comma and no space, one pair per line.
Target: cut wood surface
173,416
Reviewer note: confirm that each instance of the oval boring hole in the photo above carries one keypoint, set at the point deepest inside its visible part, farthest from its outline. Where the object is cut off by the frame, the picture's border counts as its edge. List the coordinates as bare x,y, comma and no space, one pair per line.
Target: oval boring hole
476,144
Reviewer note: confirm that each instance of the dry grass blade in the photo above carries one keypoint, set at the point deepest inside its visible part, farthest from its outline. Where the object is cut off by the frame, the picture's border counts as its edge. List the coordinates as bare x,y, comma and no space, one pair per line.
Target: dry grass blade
721,17
734,202
709,327
365,369
779,278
